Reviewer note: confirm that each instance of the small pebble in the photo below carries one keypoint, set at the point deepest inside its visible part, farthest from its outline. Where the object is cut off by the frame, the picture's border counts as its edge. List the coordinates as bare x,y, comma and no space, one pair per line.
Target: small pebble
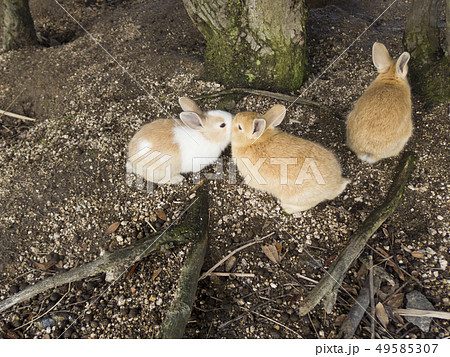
55,296
133,312
68,333
275,334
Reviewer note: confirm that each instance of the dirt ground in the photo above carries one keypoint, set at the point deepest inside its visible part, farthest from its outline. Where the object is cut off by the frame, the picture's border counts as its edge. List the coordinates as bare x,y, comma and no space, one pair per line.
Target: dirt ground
62,180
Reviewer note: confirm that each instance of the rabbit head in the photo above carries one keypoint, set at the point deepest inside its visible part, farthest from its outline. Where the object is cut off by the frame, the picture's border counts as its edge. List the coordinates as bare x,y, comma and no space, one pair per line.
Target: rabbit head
214,125
248,127
388,68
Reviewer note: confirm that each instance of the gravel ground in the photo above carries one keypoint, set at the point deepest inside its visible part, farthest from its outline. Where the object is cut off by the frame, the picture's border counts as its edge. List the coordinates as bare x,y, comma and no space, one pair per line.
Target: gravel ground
62,180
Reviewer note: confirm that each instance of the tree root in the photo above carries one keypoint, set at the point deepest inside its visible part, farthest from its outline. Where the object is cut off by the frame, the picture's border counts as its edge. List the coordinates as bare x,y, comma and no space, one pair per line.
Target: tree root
180,310
330,283
117,262
287,98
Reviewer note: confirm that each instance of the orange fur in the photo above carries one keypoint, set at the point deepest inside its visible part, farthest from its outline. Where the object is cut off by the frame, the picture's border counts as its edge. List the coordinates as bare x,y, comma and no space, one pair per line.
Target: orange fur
275,146
380,123
155,134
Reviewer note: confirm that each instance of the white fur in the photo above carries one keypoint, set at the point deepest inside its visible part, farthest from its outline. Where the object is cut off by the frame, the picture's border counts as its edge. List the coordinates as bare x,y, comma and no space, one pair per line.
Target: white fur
227,117
196,151
367,158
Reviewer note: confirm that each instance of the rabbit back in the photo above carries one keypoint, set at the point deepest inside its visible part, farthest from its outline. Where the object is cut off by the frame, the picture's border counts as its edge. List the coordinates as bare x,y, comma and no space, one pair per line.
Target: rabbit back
380,123
313,172
153,152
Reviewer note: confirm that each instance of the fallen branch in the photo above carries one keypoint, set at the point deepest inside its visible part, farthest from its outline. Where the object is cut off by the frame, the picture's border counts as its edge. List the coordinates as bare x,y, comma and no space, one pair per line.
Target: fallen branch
180,309
287,98
238,275
372,297
117,262
13,115
223,260
423,313
330,283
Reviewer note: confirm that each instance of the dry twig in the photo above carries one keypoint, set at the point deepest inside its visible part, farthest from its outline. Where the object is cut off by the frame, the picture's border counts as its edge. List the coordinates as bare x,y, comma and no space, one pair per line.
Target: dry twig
287,98
423,313
223,260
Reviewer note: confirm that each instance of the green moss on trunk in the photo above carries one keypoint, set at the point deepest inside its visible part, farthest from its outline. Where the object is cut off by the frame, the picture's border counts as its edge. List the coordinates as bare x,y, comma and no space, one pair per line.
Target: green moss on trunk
429,68
236,65
18,25
253,44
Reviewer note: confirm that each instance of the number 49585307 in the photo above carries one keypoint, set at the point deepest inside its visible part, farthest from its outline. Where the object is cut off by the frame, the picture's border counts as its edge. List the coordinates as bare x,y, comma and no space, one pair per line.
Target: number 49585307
407,348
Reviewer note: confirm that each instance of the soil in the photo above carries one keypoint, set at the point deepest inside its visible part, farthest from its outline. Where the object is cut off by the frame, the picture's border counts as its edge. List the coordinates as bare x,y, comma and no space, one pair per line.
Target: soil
62,180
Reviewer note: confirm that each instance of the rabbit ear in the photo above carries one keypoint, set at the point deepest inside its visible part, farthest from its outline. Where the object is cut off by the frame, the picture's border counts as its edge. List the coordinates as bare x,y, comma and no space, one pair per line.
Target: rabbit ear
188,105
380,56
259,125
401,67
275,115
192,120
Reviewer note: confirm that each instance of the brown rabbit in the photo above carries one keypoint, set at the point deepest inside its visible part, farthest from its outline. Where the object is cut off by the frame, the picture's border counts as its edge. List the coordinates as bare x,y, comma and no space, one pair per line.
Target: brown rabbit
380,124
298,172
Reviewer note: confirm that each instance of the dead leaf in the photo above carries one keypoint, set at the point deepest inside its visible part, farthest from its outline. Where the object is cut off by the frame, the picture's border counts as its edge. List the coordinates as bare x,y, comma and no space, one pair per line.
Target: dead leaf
229,264
382,295
215,279
399,272
271,252
156,273
44,266
386,232
339,320
391,263
396,301
329,260
112,228
295,298
131,271
10,334
418,254
383,252
279,247
161,214
381,314
399,318
362,273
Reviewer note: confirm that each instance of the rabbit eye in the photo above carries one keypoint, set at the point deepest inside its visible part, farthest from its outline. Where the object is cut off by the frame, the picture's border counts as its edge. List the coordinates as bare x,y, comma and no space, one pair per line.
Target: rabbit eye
223,125
239,127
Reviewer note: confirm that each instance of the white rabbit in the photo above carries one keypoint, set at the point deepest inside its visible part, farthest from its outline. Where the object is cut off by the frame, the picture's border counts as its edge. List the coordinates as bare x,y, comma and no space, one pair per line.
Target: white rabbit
161,150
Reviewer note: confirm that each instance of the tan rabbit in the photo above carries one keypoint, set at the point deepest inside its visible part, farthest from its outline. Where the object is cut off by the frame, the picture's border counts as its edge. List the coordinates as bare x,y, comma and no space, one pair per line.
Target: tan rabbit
380,123
165,148
298,172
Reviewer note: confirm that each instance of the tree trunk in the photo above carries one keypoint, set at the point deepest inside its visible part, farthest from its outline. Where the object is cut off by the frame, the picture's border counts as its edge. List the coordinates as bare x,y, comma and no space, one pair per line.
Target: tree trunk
430,69
447,28
421,32
18,26
252,43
